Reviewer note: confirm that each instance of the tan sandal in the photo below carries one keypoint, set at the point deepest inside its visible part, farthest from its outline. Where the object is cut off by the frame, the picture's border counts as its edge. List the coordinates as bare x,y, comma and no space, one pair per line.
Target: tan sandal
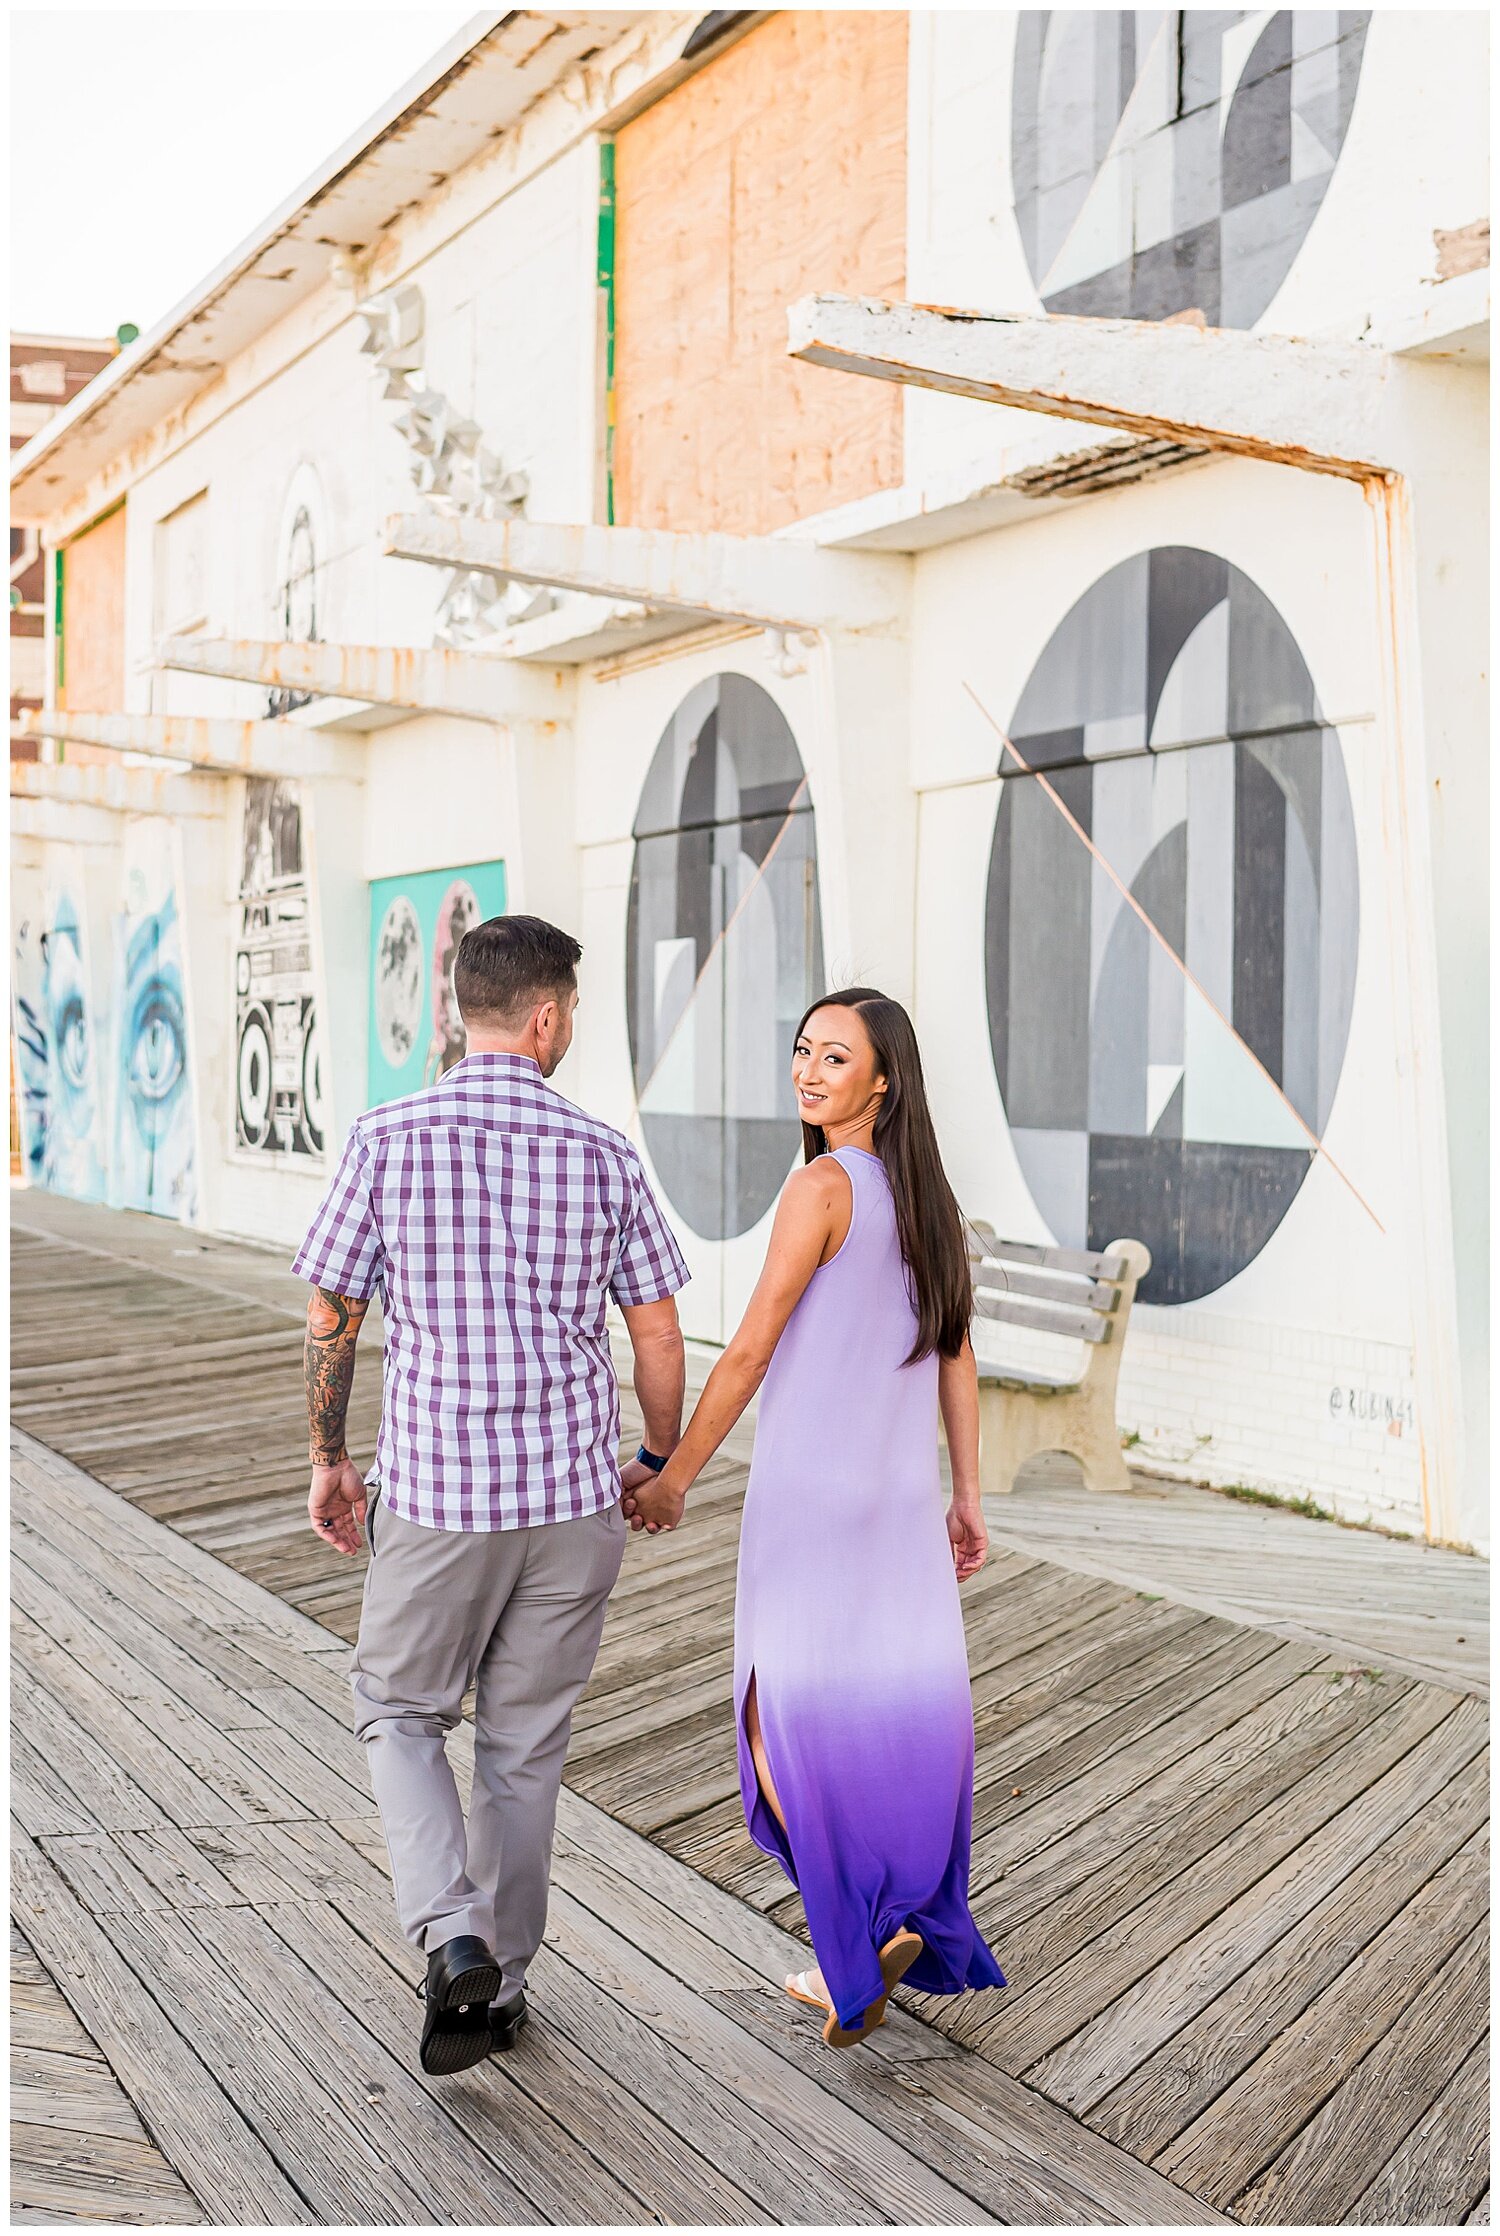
896,1960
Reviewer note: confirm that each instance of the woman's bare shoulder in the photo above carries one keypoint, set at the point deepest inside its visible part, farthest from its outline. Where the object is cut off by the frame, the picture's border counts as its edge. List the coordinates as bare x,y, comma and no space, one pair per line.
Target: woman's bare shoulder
818,1190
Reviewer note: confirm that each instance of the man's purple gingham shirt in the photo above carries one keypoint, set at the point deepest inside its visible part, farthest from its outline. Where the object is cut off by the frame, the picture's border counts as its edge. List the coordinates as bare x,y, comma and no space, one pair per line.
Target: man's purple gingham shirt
496,1220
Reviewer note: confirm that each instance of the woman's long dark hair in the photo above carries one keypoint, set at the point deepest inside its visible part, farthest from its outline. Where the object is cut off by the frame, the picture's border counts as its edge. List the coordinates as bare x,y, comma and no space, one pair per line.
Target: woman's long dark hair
928,1221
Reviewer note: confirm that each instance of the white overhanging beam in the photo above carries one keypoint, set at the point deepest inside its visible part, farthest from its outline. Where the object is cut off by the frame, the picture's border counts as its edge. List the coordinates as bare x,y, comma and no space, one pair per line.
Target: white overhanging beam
63,822
769,581
1318,406
98,790
428,679
208,743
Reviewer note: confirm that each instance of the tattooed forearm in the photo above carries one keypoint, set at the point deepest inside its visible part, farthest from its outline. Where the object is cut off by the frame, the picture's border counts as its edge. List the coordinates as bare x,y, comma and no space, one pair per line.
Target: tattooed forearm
333,1325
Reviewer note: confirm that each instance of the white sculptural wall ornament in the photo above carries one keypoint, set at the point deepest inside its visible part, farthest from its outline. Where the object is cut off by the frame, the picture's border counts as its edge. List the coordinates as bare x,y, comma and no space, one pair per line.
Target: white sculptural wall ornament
451,467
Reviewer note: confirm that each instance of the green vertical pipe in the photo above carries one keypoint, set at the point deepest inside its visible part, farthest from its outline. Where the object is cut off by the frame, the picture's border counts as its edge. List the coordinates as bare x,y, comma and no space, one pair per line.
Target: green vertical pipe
605,280
57,614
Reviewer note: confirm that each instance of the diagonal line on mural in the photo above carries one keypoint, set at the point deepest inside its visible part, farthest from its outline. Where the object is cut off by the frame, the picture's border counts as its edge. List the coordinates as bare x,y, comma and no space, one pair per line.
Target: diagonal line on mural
729,923
1008,746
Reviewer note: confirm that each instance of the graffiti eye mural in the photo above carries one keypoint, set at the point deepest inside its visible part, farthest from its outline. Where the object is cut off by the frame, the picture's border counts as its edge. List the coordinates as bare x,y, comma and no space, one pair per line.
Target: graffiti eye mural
723,952
156,1054
1166,160
56,1079
154,1166
73,1044
67,1017
1175,715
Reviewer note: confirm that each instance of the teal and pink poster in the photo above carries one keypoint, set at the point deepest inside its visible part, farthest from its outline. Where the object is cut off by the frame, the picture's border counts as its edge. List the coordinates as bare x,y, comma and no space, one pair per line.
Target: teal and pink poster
416,923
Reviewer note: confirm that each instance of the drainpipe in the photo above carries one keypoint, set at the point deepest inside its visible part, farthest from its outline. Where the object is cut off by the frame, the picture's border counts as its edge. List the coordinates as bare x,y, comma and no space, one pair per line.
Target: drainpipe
1405,826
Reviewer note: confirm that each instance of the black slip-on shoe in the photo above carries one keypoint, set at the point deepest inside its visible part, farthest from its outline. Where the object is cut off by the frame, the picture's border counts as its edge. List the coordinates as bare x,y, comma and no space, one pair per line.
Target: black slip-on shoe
462,1978
507,2020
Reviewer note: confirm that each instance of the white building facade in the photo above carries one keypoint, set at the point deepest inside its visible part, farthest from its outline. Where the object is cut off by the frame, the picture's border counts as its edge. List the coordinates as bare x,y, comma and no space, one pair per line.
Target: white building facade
508,560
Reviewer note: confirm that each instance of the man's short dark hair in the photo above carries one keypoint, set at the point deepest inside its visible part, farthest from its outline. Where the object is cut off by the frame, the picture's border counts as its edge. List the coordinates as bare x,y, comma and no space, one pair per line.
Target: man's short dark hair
506,967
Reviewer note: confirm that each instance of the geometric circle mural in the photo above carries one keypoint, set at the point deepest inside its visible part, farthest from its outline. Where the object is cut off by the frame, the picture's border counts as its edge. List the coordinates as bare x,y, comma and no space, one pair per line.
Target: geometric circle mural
1175,715
1165,161
723,952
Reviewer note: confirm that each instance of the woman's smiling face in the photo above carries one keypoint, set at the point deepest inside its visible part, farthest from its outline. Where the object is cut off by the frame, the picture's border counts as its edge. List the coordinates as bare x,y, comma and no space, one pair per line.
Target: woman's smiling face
834,1071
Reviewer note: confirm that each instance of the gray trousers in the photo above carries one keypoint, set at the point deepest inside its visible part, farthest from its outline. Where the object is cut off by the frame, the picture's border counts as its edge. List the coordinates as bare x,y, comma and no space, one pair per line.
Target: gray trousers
517,1614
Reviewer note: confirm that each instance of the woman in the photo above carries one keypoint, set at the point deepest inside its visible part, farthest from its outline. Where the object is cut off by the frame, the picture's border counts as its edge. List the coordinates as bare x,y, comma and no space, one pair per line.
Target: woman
855,1724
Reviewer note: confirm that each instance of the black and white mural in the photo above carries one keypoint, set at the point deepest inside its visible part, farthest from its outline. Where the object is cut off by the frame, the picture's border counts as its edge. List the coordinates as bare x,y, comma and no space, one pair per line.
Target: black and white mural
1167,160
279,1107
724,952
1174,713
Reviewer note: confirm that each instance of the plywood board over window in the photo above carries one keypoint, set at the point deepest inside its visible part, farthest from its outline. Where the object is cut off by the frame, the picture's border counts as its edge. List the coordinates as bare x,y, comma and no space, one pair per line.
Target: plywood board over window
92,676
778,170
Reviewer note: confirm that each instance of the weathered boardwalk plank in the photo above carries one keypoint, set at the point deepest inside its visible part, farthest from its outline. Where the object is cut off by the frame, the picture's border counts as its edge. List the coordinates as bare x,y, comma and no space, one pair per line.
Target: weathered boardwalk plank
1229,1803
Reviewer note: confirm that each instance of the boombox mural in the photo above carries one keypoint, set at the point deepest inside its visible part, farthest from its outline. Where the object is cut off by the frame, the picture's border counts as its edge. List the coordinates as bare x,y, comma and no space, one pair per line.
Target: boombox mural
1174,714
1168,160
416,924
279,1107
723,953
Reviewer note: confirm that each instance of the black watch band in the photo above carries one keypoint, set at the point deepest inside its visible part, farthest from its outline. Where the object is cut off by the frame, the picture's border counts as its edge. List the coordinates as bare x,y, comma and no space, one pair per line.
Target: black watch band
651,1460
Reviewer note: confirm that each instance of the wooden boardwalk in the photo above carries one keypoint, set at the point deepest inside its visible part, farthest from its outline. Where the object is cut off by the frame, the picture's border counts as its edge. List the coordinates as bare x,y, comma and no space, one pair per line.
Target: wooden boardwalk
197,1866
78,2152
1236,1876
1420,1609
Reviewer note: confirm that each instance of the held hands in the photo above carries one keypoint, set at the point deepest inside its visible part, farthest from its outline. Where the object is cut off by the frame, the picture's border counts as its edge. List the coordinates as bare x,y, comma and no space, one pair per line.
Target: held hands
969,1539
336,1504
648,1502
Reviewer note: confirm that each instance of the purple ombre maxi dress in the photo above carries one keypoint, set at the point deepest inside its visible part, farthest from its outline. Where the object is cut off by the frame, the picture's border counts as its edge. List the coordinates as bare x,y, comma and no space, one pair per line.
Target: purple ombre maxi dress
847,1617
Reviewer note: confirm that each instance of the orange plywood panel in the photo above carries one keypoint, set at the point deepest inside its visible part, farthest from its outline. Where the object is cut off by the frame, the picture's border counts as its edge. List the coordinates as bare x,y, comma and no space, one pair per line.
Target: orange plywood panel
778,170
93,621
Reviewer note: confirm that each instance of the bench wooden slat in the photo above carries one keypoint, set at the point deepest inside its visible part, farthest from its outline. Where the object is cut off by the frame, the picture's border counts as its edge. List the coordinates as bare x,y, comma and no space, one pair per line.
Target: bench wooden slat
1056,1288
1036,1385
1095,1262
1052,1319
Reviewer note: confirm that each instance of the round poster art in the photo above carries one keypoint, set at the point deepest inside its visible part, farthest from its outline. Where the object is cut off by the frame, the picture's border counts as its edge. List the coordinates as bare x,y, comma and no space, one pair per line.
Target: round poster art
398,981
458,909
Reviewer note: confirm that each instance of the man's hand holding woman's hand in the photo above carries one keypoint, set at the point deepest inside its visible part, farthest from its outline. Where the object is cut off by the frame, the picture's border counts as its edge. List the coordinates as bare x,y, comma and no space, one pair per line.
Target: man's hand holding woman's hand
646,1503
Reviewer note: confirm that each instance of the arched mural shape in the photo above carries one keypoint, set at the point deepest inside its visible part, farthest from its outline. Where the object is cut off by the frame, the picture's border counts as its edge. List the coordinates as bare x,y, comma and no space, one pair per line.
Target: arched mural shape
1174,713
723,952
1169,160
301,543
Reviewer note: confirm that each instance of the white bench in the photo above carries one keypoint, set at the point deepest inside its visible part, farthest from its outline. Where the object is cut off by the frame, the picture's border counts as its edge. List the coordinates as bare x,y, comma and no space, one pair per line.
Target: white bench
1081,1293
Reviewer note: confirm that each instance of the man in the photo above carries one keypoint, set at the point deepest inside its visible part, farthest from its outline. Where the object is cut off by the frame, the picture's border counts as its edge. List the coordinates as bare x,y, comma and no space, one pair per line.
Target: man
496,1221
